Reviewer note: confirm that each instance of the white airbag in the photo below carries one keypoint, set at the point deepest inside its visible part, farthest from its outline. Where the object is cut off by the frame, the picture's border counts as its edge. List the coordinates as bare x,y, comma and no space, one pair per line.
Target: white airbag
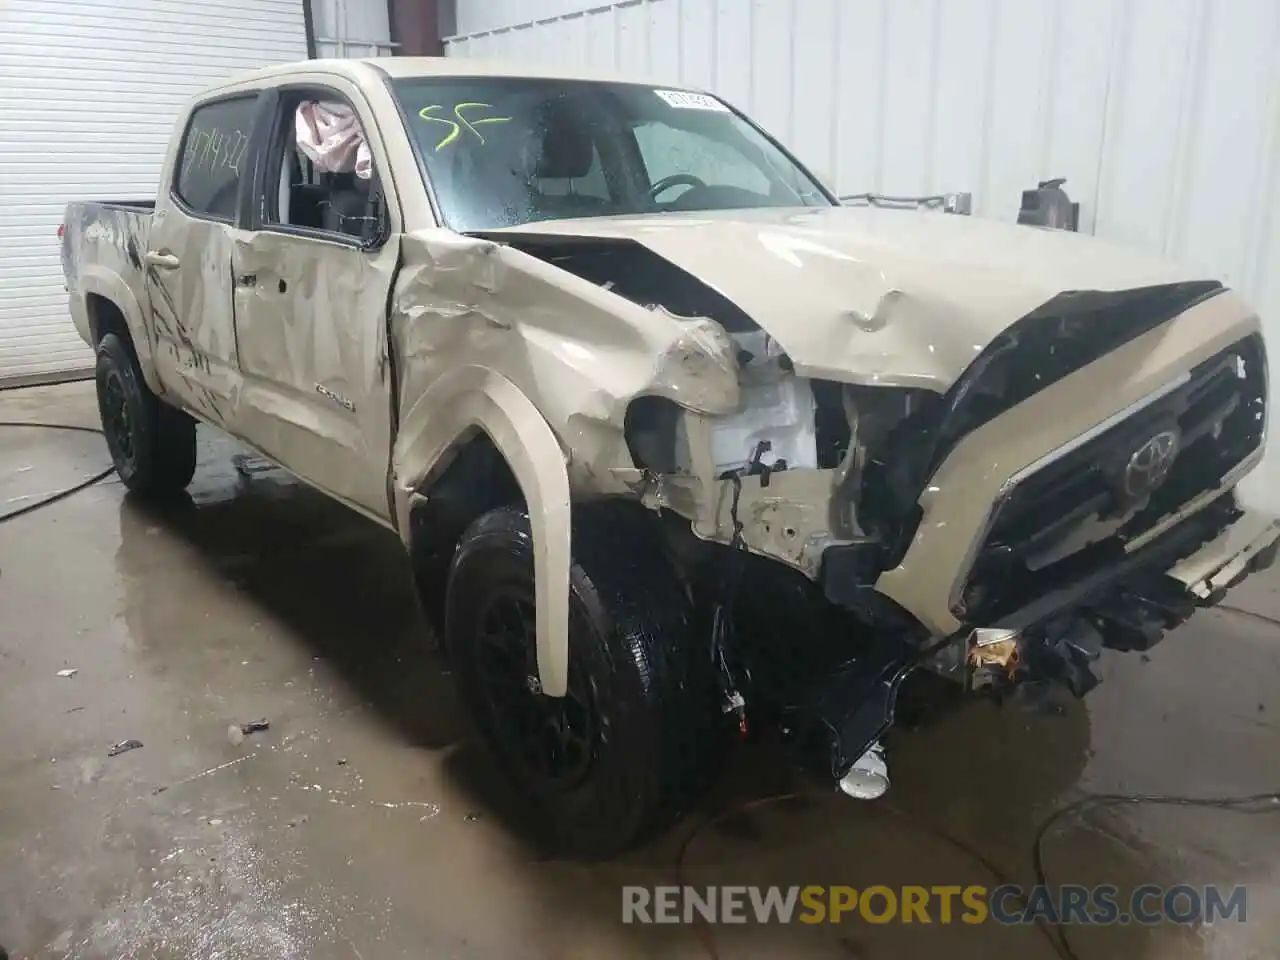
330,135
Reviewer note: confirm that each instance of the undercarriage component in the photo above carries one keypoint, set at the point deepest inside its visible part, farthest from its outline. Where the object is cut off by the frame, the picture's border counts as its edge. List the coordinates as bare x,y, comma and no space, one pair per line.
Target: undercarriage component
868,778
849,713
992,658
1062,652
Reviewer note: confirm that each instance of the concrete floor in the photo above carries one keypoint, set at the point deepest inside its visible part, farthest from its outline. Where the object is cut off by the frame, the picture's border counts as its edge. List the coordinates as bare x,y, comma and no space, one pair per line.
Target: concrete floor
365,824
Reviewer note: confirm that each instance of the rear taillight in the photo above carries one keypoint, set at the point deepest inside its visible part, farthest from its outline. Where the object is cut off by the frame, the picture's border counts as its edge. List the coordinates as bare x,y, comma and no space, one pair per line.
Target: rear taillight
62,229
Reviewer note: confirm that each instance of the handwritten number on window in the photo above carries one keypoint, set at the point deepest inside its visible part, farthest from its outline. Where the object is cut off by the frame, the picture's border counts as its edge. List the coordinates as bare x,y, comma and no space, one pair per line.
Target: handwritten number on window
461,120
214,149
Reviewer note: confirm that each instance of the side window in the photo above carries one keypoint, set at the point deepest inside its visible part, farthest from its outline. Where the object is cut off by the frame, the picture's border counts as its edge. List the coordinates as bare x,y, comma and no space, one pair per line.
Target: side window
667,150
321,175
213,156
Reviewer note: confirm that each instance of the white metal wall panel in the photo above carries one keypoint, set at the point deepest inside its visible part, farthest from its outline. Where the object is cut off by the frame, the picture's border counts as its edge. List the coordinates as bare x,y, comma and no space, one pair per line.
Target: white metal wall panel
477,16
1163,115
89,92
352,28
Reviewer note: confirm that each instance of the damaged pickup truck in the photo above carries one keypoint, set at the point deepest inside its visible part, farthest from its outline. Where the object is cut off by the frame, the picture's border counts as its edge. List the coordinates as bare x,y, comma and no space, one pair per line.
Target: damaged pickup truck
677,444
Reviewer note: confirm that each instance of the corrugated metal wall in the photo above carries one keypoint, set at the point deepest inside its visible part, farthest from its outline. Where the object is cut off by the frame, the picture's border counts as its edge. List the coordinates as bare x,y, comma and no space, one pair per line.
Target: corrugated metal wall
89,93
352,28
1163,115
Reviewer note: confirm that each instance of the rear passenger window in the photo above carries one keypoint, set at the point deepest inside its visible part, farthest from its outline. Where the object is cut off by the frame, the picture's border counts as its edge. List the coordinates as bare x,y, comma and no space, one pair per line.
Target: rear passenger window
213,156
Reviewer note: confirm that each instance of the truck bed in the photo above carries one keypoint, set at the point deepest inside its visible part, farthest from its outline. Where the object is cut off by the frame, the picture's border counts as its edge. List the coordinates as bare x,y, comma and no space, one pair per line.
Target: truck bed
135,206
102,243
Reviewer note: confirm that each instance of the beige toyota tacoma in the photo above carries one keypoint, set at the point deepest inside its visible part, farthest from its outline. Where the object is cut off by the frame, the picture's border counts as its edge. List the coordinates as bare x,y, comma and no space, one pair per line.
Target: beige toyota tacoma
678,445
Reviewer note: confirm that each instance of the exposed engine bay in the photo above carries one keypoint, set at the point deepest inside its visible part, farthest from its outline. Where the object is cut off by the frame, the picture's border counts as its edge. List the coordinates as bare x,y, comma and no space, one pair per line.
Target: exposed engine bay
882,444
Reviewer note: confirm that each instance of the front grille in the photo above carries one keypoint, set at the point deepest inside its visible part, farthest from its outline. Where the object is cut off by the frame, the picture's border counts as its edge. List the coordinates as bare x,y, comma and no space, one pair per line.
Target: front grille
1055,340
1081,509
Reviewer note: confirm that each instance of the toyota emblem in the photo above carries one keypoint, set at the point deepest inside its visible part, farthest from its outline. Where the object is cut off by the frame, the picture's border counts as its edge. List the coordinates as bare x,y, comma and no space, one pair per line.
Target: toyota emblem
1149,464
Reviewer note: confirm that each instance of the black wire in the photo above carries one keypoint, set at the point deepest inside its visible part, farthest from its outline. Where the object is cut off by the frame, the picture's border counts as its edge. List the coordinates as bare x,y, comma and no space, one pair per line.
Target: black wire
1228,608
61,494
1243,804
722,616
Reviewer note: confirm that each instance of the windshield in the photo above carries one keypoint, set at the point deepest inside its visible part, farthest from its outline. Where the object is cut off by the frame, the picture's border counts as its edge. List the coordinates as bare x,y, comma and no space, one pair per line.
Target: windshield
499,152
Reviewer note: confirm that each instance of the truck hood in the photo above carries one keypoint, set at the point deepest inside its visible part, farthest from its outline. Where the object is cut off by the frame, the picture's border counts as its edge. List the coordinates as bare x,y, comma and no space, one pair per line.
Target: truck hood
881,296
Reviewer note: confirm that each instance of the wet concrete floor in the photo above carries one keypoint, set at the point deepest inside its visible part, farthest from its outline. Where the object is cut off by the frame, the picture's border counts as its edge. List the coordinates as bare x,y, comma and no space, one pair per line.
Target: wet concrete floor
366,824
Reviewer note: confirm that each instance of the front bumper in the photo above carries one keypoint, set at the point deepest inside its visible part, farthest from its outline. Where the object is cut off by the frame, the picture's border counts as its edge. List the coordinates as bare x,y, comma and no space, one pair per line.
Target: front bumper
1127,605
1248,545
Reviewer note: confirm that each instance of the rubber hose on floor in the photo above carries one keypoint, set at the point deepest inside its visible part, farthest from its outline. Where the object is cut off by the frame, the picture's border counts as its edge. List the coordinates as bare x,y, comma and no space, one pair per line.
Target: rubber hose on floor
61,494
1053,928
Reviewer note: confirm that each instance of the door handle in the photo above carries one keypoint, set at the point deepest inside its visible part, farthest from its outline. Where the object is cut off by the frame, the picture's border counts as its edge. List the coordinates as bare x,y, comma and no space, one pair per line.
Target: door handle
165,261
246,279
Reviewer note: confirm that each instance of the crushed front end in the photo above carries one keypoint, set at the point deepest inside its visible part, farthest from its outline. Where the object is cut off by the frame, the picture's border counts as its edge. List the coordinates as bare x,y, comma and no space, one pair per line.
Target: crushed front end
1083,549
1051,532
1005,534
930,479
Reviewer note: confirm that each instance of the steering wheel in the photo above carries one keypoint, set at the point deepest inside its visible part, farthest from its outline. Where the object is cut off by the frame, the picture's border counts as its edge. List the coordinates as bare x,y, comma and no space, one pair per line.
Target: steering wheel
675,180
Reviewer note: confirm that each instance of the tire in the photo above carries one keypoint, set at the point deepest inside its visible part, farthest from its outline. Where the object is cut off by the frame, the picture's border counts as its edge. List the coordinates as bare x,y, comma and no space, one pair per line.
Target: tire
152,445
640,733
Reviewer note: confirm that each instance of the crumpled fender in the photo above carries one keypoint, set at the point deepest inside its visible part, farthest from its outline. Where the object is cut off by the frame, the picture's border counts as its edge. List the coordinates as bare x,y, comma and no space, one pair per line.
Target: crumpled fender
472,397
100,280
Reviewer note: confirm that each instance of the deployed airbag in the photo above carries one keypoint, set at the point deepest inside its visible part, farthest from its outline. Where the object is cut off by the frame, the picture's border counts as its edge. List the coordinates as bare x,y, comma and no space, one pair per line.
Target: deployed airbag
330,135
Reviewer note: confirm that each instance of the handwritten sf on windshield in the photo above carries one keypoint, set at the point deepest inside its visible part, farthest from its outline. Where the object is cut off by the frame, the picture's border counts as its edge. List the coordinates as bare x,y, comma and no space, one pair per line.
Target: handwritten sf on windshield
464,117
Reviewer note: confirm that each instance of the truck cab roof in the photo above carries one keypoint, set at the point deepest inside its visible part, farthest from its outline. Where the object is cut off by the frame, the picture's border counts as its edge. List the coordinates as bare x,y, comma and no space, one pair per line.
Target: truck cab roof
372,69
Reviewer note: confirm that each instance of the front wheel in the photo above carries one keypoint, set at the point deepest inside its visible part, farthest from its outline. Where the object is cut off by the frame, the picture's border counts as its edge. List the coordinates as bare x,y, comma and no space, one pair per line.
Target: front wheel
152,445
639,732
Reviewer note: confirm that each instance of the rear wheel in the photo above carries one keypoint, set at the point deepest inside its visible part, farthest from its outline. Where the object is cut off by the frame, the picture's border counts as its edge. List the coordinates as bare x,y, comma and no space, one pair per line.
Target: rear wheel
152,445
639,732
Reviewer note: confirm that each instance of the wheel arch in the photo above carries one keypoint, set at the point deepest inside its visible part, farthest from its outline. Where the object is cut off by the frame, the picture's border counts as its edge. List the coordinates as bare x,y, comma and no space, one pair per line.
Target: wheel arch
111,307
447,420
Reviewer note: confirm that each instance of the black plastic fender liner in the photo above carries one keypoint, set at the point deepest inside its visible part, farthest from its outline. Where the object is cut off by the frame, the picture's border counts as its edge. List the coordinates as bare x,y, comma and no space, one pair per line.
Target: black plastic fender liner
632,650
854,708
477,480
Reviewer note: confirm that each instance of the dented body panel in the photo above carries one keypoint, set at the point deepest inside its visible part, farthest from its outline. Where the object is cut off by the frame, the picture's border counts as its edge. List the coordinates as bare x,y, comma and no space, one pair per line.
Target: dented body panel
102,248
801,382
470,398
189,284
316,386
878,296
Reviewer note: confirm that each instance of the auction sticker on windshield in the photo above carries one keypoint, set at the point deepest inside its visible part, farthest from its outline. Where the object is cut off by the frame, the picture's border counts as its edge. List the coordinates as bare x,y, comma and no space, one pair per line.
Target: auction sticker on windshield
691,101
